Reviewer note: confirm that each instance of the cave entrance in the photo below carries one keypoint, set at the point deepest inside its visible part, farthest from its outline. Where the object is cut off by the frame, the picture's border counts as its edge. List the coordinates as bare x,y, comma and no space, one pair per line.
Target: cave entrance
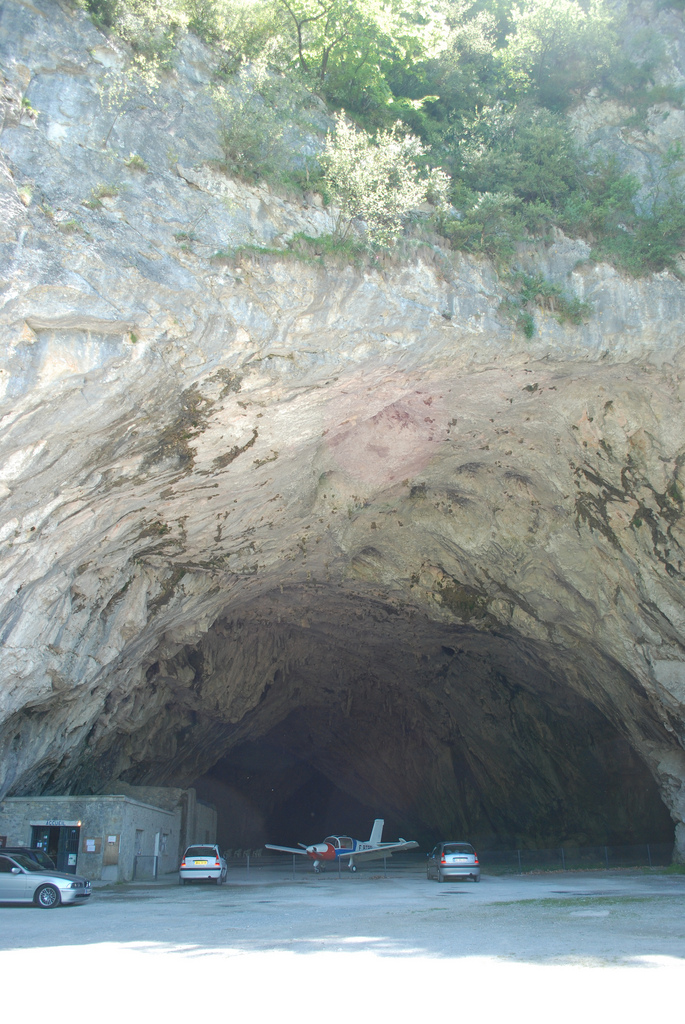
315,712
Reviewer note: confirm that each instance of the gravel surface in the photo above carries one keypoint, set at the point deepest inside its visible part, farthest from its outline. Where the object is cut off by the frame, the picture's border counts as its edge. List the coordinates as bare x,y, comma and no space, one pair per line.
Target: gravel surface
513,948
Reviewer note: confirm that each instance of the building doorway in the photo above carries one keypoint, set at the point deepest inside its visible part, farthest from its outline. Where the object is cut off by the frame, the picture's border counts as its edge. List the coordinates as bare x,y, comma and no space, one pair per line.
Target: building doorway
60,842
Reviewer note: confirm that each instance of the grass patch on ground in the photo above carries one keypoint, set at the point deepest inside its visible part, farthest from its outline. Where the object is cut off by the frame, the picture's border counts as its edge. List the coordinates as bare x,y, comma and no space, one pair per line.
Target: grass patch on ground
586,902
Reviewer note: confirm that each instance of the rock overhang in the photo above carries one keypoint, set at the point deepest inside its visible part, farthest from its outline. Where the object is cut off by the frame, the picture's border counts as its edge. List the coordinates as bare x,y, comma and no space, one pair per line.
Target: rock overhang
536,554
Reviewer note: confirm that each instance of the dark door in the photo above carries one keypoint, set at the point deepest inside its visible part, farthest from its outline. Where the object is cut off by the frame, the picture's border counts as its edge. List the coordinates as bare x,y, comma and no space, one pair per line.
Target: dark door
60,844
46,839
67,851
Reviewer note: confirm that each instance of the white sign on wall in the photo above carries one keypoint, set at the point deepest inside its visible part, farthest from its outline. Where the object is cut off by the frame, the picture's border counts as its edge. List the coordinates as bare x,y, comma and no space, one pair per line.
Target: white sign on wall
55,823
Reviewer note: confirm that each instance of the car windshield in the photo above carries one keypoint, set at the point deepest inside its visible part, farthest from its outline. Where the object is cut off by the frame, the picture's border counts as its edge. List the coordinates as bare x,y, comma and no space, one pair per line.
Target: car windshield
24,862
458,848
201,851
43,860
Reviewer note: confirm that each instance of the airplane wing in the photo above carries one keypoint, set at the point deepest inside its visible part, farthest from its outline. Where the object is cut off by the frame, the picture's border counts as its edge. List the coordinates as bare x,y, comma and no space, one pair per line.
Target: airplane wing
386,850
285,849
367,855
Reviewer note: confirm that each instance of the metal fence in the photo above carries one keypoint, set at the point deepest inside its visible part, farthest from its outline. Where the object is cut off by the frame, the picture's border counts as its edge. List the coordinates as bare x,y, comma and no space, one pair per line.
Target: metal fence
569,858
252,863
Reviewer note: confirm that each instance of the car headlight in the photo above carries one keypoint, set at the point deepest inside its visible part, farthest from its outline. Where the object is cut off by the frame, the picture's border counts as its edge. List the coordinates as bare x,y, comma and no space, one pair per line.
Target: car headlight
75,885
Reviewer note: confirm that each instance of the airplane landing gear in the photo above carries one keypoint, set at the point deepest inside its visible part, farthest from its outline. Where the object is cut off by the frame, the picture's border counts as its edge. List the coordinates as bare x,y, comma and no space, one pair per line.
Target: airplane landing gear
353,867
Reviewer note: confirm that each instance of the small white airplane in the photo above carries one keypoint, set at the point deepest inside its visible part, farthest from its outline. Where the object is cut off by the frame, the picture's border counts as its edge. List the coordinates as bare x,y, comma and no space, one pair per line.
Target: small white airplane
334,848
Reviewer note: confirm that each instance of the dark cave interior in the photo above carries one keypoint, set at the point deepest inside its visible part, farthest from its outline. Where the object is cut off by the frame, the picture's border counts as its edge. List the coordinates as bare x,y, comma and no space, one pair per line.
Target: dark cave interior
265,793
456,732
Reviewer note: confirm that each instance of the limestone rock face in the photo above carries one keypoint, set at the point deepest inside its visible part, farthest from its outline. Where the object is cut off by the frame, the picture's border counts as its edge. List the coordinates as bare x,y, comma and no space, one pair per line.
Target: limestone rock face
348,513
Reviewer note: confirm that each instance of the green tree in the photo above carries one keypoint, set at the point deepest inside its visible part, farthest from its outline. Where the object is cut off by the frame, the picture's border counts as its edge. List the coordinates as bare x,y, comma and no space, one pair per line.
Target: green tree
347,46
252,130
464,76
651,235
489,223
559,48
263,116
524,151
377,181
247,29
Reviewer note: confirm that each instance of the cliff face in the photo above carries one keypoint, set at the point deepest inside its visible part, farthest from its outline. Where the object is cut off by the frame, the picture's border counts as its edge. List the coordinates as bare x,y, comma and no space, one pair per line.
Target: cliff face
347,513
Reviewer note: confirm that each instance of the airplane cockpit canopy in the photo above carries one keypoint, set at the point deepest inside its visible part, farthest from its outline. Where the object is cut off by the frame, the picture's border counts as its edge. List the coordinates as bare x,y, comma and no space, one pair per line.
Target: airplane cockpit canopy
340,842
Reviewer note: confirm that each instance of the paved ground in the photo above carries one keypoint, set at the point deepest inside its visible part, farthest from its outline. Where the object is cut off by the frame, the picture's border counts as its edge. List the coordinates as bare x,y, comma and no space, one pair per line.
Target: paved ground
558,947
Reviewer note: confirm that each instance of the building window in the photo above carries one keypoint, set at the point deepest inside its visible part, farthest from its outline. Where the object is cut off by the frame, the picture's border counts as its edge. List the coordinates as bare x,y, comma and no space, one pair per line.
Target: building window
163,842
139,842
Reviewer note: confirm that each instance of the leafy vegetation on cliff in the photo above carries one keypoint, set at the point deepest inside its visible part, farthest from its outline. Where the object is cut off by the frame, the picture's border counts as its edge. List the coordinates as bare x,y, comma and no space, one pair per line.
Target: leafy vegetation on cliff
378,181
481,89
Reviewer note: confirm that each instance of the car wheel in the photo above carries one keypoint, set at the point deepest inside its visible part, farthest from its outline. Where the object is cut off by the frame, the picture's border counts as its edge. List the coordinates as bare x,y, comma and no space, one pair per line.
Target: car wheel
476,878
47,897
218,880
441,877
185,881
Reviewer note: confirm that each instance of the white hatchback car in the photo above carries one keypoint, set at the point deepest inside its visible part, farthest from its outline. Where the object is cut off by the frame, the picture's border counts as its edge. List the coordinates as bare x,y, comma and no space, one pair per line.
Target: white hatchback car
202,863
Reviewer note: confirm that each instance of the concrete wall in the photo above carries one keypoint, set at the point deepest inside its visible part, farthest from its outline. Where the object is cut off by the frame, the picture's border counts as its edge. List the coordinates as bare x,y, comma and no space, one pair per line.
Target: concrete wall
150,821
135,823
205,823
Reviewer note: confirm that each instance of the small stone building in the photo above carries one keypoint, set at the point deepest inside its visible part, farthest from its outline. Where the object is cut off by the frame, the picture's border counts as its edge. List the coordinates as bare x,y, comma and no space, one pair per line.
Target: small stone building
140,831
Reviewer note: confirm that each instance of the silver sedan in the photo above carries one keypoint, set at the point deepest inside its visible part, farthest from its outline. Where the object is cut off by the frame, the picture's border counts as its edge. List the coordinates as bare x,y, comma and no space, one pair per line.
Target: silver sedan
24,881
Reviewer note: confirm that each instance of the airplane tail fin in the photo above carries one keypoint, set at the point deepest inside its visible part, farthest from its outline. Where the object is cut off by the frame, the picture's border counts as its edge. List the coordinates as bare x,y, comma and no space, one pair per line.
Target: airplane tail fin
377,830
